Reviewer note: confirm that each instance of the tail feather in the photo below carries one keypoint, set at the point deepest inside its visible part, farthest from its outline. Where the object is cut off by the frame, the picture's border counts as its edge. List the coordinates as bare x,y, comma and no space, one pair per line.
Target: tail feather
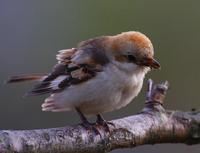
23,78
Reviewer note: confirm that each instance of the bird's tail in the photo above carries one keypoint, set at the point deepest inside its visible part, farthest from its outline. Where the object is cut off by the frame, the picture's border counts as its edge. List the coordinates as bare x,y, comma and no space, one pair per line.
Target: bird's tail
23,78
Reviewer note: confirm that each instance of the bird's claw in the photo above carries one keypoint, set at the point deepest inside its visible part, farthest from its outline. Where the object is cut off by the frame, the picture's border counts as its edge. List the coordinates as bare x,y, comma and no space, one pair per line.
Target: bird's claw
105,124
91,127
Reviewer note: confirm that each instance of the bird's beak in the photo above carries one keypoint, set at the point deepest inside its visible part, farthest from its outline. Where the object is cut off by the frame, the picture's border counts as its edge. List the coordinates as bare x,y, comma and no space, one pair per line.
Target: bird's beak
151,62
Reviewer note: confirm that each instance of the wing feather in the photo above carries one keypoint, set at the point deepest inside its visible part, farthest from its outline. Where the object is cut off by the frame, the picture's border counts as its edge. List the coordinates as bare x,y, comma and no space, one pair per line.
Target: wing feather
74,66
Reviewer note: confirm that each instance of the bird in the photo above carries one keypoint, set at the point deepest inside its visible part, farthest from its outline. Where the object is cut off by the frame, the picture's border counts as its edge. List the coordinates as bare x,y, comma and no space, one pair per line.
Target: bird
99,75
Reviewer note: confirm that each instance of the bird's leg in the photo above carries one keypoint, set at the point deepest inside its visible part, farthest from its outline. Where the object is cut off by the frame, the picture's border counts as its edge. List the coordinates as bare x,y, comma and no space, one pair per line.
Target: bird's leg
101,121
85,123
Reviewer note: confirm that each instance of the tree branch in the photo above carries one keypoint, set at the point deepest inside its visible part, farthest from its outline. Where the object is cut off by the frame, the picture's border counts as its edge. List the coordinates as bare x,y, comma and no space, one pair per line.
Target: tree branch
152,125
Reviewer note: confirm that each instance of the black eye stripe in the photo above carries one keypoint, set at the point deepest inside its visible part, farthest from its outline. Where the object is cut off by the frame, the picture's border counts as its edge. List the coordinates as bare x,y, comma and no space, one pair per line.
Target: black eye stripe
131,58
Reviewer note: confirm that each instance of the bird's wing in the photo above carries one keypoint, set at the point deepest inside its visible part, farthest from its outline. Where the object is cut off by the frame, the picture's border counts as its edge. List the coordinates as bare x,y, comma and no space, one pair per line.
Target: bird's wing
74,66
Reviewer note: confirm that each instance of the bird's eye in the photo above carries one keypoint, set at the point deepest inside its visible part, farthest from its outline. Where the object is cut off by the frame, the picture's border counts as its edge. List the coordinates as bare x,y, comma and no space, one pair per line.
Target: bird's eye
131,58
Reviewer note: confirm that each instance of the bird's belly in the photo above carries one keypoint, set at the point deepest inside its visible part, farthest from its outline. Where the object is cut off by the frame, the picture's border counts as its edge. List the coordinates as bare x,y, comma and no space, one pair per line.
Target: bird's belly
106,103
109,97
104,93
98,95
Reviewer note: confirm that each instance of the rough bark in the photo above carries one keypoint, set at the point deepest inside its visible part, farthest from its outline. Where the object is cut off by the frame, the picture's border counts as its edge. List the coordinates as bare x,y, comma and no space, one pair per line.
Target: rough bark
152,125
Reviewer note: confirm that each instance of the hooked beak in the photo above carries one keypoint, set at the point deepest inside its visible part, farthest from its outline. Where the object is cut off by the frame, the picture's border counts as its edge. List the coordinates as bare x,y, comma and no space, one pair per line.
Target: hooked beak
151,62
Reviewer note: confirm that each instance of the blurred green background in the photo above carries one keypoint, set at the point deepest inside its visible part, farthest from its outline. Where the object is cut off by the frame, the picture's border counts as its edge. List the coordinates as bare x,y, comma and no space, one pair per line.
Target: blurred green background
31,33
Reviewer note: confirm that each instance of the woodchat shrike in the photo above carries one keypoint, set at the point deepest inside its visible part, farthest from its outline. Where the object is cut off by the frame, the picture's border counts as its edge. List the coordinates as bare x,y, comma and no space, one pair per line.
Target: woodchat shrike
99,75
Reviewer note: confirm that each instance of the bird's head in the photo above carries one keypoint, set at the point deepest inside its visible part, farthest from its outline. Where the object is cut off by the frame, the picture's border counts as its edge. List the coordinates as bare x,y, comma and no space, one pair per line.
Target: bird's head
133,48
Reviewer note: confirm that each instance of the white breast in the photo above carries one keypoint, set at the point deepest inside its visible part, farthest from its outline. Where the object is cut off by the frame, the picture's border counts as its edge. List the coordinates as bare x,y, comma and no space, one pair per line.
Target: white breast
109,90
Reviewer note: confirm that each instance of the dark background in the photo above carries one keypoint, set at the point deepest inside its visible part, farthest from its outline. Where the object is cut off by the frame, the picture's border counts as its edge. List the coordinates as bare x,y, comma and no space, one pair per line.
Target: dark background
31,33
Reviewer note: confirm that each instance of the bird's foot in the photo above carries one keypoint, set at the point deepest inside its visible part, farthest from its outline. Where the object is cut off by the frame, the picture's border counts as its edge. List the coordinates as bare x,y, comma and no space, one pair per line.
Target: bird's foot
90,127
86,124
105,124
